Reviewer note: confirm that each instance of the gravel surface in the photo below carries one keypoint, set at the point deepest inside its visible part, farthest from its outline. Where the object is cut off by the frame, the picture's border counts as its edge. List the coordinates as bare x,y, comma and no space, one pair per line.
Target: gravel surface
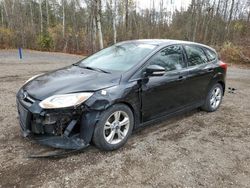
197,149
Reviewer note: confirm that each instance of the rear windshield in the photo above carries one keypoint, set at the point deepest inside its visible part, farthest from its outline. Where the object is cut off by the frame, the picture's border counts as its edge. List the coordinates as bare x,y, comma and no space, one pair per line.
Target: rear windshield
119,57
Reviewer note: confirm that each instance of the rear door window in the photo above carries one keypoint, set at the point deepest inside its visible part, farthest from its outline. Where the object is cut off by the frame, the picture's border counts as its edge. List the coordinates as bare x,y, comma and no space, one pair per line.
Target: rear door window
195,55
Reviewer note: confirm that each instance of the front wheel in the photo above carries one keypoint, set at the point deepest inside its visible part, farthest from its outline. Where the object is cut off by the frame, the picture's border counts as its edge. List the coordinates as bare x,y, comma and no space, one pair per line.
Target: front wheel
214,98
114,127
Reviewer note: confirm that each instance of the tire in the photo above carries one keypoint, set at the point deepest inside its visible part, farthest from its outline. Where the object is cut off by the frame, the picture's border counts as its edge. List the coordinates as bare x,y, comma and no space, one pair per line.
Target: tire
209,106
111,133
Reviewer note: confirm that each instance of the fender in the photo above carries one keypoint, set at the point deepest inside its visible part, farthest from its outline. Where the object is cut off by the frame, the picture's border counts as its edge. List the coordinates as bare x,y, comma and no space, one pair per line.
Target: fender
217,78
103,100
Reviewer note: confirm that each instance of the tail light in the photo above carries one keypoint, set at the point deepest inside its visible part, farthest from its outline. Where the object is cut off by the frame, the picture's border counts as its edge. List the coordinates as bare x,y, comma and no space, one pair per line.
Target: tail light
223,65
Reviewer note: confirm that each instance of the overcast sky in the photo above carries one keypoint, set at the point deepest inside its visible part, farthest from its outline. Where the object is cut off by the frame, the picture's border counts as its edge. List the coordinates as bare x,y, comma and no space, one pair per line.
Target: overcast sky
169,4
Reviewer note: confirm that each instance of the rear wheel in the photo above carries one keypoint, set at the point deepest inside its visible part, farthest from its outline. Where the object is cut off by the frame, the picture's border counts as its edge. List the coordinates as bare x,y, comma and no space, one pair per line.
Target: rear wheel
114,127
214,98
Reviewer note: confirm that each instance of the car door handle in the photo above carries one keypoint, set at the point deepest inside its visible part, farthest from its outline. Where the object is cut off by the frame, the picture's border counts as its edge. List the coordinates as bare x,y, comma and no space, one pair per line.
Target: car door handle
210,70
180,78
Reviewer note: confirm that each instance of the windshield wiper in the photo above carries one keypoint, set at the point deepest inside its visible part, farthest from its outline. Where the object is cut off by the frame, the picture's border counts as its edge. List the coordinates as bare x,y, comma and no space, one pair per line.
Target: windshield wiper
75,64
96,69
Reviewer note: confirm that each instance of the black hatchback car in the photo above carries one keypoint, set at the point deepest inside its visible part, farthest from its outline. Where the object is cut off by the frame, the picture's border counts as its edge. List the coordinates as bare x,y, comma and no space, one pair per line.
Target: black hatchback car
105,96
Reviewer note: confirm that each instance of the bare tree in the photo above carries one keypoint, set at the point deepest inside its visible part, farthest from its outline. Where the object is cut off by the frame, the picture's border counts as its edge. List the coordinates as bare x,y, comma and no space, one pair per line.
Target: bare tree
225,9
218,7
195,12
230,18
210,11
6,12
41,16
248,17
47,12
93,33
113,8
31,14
84,25
98,22
63,18
114,20
2,16
126,16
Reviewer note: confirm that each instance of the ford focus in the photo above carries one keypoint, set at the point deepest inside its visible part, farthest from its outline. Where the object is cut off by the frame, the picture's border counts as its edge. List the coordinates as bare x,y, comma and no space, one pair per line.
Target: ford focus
104,97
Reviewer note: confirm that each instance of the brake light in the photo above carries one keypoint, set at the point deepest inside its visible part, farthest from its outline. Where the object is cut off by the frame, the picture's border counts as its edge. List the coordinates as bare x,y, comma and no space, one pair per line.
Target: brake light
223,65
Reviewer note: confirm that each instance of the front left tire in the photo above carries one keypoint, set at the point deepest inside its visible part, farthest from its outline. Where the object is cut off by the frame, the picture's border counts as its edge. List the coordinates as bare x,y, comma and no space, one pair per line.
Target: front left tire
114,127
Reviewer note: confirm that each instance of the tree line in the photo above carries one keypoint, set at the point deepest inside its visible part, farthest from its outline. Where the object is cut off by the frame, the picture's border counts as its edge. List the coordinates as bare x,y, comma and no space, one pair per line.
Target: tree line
85,26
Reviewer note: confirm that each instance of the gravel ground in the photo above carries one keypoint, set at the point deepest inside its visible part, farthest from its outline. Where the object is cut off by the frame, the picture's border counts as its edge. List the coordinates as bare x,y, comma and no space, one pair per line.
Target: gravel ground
197,149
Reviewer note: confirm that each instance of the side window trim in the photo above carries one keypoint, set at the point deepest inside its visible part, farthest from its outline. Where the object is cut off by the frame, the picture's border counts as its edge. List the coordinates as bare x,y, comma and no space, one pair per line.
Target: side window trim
184,58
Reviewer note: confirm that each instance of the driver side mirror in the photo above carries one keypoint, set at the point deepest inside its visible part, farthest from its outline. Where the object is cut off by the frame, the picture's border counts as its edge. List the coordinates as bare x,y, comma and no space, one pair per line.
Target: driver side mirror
155,70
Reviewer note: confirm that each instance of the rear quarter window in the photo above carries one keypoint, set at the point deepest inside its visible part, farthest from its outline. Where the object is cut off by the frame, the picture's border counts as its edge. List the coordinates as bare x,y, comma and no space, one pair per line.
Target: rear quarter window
211,55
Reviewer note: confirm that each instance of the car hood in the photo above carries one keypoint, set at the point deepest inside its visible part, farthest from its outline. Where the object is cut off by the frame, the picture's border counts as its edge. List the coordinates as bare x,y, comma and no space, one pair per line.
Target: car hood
69,80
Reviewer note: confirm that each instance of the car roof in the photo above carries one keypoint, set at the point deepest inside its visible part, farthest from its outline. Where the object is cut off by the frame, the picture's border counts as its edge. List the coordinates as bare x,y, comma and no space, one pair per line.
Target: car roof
165,42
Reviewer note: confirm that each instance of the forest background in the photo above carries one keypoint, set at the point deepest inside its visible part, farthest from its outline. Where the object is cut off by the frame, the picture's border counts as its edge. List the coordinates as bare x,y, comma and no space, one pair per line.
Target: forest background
86,26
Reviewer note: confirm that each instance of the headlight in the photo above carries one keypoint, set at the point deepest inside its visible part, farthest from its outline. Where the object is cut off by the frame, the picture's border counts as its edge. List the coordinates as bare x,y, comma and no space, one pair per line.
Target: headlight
33,77
63,101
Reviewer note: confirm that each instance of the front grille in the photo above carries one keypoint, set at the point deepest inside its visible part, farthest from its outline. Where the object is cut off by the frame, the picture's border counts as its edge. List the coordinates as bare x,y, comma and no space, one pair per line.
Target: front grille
24,102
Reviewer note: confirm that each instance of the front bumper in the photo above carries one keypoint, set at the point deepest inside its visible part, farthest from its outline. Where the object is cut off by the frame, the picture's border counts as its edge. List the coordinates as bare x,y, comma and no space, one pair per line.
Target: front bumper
62,142
55,128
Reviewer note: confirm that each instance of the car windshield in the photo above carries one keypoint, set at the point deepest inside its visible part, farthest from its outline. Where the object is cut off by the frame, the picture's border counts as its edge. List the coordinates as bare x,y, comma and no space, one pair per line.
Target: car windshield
119,57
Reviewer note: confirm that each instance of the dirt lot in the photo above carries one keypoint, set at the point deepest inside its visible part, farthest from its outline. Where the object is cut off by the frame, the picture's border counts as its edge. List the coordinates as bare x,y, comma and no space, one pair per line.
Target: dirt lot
197,149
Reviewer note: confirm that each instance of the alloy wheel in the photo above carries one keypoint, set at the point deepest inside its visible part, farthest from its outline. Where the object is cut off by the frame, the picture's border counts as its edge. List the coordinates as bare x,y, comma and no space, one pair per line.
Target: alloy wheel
216,97
116,127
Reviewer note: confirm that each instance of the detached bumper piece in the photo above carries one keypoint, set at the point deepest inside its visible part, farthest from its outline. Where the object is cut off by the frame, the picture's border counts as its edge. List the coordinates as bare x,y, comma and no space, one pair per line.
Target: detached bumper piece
62,142
54,154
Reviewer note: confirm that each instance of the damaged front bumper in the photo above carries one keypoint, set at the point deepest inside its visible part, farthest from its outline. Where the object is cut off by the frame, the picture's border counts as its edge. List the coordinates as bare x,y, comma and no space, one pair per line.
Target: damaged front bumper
64,128
62,142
